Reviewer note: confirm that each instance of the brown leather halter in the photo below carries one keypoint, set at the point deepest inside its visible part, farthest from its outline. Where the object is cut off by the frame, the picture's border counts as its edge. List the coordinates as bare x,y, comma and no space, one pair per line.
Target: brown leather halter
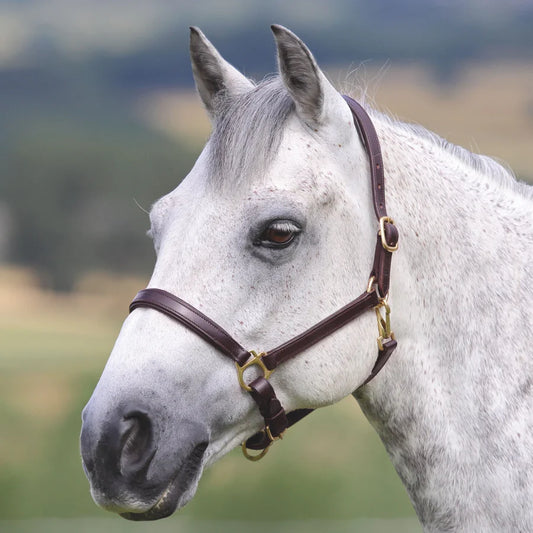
374,297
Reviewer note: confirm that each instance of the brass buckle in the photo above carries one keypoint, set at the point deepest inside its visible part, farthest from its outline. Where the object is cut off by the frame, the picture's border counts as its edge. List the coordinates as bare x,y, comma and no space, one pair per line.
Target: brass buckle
255,359
382,222
384,327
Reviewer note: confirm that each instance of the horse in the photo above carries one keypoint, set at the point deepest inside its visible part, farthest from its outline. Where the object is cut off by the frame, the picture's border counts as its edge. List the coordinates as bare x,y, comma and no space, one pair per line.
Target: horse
271,231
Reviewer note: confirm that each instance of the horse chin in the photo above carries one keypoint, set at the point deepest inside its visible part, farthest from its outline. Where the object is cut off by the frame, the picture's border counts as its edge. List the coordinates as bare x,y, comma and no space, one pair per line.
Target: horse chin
178,492
172,499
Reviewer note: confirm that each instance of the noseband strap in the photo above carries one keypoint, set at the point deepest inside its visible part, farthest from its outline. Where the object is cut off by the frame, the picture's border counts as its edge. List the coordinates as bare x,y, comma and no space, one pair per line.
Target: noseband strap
375,297
195,320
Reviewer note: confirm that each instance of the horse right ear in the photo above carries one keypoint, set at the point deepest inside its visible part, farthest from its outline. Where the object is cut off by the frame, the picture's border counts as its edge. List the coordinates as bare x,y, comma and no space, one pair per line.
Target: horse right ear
316,100
215,78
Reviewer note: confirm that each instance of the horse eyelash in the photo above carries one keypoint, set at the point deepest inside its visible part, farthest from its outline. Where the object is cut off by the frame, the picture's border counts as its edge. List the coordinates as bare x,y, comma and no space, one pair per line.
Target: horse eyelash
285,226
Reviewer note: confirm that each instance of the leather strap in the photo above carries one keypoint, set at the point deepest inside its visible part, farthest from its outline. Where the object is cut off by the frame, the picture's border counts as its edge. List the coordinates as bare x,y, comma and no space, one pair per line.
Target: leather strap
321,330
276,420
382,259
189,316
261,391
262,440
383,356
370,140
269,406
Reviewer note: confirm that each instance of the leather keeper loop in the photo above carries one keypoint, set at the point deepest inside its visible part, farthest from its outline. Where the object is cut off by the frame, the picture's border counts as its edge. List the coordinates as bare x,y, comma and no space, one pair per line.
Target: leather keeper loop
269,406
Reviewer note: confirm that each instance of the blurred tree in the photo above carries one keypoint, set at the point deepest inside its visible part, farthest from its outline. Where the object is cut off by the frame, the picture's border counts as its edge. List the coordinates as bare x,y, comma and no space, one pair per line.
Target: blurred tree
72,197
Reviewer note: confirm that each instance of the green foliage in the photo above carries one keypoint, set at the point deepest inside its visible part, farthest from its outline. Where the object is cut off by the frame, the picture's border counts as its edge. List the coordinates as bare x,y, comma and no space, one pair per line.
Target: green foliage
73,191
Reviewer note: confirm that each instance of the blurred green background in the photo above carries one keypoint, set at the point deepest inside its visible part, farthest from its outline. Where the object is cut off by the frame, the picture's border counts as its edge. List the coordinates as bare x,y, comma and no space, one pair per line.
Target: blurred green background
98,118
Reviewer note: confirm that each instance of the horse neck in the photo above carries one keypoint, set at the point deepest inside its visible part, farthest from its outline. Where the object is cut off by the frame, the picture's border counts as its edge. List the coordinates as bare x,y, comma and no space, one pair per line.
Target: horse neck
456,395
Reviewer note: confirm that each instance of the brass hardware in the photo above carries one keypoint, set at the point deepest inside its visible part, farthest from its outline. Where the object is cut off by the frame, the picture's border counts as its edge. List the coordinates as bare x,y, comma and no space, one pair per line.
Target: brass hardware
384,327
260,455
384,243
373,286
370,286
255,359
257,457
271,437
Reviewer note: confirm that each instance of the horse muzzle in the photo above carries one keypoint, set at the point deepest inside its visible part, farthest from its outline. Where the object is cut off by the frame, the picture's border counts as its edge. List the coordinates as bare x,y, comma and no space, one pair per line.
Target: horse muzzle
140,465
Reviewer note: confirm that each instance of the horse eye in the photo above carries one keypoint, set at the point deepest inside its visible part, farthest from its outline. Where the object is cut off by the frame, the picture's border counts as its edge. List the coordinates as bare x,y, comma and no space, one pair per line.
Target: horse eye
278,234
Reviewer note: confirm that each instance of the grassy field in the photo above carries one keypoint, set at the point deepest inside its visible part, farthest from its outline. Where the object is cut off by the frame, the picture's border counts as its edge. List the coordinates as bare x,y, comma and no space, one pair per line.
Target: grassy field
329,473
184,525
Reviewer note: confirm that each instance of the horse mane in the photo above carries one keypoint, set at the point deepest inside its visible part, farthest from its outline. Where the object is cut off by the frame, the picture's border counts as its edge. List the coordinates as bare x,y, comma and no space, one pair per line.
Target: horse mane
256,120
485,165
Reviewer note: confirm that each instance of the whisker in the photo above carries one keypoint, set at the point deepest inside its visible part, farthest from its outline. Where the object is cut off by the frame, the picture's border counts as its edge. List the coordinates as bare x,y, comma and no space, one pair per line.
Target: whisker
141,207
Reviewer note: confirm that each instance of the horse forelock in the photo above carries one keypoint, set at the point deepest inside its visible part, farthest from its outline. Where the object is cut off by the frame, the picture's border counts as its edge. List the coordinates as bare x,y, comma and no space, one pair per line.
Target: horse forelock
247,132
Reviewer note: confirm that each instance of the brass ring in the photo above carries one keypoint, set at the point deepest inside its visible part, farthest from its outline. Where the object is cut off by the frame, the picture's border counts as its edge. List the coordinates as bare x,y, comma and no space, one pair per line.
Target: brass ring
251,457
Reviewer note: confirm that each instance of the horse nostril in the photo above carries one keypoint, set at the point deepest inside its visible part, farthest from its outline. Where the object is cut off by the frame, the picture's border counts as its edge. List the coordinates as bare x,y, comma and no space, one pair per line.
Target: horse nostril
136,443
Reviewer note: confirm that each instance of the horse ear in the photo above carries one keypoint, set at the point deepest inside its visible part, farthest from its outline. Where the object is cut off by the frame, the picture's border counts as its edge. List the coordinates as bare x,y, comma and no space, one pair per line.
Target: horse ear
310,89
213,75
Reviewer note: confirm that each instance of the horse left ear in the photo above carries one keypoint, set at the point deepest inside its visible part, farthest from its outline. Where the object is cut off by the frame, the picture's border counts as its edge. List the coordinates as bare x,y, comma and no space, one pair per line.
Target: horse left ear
313,94
215,78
